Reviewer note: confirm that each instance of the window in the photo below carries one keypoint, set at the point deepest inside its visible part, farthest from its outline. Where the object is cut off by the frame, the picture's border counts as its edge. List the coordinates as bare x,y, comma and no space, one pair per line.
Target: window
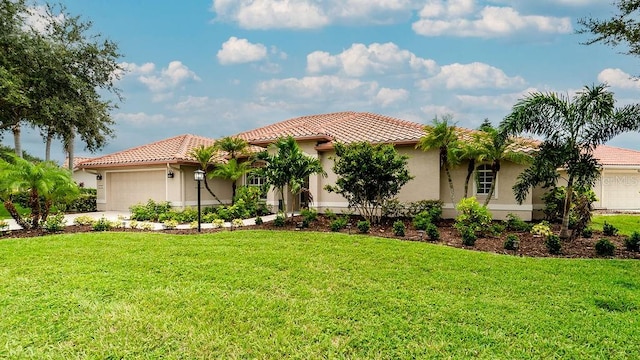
258,181
484,177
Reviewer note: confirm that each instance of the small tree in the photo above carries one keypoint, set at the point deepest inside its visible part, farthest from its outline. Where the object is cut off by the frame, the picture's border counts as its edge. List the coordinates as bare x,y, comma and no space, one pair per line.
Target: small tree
45,183
232,171
289,166
205,156
369,176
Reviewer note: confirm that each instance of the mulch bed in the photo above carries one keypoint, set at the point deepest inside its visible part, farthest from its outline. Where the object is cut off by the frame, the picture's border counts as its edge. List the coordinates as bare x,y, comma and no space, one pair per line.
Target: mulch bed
529,245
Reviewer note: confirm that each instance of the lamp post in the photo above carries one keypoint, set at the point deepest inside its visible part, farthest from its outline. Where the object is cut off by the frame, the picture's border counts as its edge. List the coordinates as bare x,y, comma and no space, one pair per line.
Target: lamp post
198,175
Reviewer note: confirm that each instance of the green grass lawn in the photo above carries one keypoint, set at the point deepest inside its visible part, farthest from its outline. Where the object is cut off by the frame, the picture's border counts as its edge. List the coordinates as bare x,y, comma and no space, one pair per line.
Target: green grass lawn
626,223
265,294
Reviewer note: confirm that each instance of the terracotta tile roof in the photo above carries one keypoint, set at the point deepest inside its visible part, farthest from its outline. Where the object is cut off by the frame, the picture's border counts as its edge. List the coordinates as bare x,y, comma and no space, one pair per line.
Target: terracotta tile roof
346,127
172,150
611,156
76,161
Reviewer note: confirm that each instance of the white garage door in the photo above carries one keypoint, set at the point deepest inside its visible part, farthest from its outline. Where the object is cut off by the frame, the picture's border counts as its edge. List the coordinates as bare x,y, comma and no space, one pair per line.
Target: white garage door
130,188
621,191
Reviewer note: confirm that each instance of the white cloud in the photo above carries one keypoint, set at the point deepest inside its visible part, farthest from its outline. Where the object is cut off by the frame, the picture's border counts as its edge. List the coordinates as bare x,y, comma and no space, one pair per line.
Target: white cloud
40,20
456,18
135,69
501,102
312,14
238,51
140,118
618,78
386,96
360,60
470,76
318,87
170,77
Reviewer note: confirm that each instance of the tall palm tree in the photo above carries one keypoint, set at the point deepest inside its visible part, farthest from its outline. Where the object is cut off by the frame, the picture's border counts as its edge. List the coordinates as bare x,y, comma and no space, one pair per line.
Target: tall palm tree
443,137
205,156
42,180
494,148
232,171
234,146
289,166
571,128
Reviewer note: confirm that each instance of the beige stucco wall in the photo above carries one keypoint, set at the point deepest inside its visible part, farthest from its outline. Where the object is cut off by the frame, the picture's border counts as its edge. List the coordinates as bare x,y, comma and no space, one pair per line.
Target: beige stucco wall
503,202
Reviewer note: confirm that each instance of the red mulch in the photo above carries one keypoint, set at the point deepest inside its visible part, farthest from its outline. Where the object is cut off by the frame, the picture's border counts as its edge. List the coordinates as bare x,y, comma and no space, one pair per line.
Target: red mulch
528,246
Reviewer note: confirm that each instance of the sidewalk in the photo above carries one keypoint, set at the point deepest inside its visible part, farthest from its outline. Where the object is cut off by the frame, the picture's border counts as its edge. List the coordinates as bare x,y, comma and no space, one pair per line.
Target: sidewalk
118,215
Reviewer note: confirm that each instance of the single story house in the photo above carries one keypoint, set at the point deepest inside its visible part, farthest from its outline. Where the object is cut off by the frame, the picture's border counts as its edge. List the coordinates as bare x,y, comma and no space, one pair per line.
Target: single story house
163,170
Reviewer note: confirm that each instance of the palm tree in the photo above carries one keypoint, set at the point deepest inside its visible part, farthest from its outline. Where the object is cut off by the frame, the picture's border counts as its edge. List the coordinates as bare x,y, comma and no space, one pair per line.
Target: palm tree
42,180
232,171
494,148
234,146
204,155
288,166
571,128
443,137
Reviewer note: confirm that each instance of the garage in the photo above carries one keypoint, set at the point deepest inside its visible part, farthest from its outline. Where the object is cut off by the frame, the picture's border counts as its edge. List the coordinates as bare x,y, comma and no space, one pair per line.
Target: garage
133,187
618,190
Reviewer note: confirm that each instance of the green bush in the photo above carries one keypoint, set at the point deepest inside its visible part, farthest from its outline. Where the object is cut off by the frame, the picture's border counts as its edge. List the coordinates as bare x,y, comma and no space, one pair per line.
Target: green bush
339,223
279,220
102,225
433,207
399,228
432,232
468,236
552,242
364,226
511,242
604,247
84,220
497,229
150,211
55,223
309,215
587,232
170,224
85,202
609,230
259,220
542,228
472,217
422,220
514,223
632,243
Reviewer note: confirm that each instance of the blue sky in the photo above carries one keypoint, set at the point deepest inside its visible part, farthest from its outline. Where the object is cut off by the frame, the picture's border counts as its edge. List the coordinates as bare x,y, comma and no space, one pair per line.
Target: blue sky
219,67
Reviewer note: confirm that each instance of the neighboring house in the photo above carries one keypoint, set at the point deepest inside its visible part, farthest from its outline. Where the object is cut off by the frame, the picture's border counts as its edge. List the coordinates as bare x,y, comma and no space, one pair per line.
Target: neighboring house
163,171
81,176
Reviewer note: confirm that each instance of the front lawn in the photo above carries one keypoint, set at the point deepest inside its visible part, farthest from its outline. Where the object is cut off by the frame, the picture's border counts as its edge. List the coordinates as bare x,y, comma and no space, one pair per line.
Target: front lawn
626,223
266,294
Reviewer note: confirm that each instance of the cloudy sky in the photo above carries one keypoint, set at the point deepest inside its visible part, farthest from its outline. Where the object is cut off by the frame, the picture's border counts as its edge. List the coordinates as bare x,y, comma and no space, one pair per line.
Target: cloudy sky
216,68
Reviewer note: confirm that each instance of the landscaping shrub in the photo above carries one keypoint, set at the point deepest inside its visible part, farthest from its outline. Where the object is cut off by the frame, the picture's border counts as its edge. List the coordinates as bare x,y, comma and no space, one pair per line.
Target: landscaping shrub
84,220
236,223
511,242
472,217
279,220
587,232
259,221
496,229
422,220
433,207
146,226
55,223
609,230
364,226
209,217
85,202
552,242
432,232
339,223
514,223
4,225
309,216
170,224
393,209
604,247
632,243
150,211
102,225
399,228
193,225
468,236
541,229
218,223
132,224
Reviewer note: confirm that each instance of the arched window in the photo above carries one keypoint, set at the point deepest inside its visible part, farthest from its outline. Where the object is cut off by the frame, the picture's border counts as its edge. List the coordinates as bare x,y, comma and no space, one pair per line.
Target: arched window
484,177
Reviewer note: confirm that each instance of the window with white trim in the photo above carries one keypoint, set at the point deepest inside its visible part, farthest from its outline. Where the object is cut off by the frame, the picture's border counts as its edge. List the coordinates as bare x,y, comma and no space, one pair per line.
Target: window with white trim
253,179
484,176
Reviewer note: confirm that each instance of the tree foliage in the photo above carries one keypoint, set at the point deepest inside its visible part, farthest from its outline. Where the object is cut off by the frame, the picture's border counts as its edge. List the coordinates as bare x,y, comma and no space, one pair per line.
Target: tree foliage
206,156
571,128
232,170
45,182
622,28
288,167
443,136
369,176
